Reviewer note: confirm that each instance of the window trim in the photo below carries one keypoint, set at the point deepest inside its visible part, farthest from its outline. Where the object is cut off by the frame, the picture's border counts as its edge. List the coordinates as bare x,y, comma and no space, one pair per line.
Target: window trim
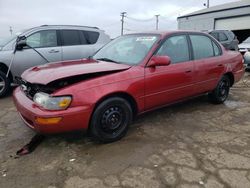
174,35
57,37
211,38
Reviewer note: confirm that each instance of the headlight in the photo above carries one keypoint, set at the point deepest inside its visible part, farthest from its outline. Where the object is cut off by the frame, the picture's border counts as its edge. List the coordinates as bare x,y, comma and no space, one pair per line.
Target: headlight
52,103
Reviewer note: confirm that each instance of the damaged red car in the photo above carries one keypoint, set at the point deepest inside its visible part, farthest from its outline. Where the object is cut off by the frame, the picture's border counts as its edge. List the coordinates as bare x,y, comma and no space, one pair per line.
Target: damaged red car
131,75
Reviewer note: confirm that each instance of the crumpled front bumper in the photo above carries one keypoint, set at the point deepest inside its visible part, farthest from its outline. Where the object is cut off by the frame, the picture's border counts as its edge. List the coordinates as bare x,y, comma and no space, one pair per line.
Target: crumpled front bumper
74,118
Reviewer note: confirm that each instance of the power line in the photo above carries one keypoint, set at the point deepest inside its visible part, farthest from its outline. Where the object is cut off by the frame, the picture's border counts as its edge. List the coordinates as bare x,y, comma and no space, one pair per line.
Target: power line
112,24
140,20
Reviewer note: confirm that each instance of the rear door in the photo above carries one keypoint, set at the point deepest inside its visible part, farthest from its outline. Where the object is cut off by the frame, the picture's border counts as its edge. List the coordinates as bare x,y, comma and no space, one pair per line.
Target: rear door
75,45
166,84
208,60
45,42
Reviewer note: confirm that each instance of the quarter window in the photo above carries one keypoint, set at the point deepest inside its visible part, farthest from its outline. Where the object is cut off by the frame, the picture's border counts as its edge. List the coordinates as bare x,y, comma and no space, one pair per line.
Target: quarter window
202,46
91,36
39,39
176,48
70,37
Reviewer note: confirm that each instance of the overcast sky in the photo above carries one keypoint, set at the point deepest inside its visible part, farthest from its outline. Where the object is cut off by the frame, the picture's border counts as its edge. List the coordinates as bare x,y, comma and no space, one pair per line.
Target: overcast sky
105,14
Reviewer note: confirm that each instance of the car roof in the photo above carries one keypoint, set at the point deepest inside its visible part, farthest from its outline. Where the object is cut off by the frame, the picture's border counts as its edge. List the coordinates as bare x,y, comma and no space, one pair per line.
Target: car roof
165,33
44,27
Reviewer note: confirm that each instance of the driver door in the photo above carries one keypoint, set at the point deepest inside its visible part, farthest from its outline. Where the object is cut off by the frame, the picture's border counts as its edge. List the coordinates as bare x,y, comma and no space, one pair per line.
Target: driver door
167,84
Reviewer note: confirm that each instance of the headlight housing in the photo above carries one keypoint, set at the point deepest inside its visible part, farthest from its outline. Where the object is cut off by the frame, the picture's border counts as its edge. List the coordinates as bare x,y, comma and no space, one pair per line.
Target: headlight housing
48,102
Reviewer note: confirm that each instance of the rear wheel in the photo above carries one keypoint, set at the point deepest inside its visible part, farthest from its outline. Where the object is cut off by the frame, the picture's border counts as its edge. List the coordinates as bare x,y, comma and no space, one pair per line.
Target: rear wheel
111,120
4,84
221,92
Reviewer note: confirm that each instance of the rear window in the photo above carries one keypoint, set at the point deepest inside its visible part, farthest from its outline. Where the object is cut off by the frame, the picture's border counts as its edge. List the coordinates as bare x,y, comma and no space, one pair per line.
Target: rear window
91,36
70,37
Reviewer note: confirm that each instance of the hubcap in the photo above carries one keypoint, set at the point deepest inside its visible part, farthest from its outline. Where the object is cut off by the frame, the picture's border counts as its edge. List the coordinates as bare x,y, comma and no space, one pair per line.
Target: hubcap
112,119
223,89
2,84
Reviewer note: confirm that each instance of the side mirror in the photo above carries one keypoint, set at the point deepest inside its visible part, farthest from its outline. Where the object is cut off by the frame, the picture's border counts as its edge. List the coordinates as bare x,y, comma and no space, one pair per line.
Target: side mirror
157,60
21,42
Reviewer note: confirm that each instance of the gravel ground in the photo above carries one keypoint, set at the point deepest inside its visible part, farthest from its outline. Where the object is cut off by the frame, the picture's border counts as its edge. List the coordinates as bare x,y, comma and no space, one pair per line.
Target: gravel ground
192,144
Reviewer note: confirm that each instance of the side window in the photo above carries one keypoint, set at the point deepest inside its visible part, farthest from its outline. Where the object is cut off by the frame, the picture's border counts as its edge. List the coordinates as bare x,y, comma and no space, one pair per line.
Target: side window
222,37
70,37
91,36
40,39
83,38
176,48
202,46
217,51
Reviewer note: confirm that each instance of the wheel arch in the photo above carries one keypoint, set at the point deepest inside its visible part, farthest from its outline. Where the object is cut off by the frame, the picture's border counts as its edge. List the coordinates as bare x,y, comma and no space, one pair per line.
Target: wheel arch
4,68
231,78
123,95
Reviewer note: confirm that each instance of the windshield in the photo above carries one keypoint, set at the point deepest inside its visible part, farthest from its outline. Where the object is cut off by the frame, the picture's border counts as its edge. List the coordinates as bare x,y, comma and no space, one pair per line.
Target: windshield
247,40
4,41
128,49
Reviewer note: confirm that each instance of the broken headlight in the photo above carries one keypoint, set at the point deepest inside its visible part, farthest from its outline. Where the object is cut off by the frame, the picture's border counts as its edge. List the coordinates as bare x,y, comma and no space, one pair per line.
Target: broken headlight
52,103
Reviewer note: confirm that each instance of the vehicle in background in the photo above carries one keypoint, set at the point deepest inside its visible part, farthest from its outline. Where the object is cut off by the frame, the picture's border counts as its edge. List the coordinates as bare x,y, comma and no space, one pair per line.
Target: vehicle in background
246,57
244,46
227,38
54,42
131,75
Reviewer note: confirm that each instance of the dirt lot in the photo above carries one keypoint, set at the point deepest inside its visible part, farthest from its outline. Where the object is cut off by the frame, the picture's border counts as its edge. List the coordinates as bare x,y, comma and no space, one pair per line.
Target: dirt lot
193,144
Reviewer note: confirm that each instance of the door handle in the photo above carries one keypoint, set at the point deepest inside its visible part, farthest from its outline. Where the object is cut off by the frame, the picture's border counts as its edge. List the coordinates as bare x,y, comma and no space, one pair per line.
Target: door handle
53,51
188,71
220,65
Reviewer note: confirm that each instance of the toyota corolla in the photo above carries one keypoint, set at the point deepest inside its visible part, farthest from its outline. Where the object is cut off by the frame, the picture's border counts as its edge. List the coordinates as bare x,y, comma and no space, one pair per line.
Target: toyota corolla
131,75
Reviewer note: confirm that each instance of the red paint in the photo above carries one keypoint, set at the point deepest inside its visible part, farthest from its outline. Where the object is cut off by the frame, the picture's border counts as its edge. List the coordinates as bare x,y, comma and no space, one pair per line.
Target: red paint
150,87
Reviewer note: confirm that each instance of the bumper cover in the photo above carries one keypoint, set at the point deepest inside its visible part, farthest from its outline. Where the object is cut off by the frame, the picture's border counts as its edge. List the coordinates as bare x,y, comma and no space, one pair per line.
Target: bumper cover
74,118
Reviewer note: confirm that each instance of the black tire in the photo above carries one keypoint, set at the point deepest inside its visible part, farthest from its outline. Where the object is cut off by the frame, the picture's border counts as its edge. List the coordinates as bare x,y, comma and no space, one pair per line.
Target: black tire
111,119
4,84
221,92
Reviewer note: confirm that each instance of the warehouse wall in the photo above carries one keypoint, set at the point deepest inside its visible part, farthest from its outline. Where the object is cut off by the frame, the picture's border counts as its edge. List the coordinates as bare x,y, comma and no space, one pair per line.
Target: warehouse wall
206,21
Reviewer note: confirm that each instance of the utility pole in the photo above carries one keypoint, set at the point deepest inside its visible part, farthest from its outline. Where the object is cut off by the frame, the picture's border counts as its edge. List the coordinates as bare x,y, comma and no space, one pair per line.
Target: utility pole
157,21
207,4
123,14
11,31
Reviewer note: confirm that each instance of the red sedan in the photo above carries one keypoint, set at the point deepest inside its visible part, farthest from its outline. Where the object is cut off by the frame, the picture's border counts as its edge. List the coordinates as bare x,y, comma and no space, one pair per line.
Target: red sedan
132,74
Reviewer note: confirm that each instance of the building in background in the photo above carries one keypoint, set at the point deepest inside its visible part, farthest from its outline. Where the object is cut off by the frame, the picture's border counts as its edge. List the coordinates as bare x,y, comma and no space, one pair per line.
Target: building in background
231,16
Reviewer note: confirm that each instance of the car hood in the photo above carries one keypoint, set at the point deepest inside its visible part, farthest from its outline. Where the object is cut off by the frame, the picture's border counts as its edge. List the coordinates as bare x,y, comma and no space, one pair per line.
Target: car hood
244,45
56,71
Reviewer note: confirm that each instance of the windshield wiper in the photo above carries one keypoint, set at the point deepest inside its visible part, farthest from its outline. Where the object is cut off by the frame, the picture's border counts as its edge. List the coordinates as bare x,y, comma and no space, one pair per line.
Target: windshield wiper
107,59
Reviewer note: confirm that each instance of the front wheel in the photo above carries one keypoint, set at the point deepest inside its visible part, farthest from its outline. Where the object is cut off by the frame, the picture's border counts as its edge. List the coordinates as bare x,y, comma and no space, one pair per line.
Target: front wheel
4,84
111,119
221,92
